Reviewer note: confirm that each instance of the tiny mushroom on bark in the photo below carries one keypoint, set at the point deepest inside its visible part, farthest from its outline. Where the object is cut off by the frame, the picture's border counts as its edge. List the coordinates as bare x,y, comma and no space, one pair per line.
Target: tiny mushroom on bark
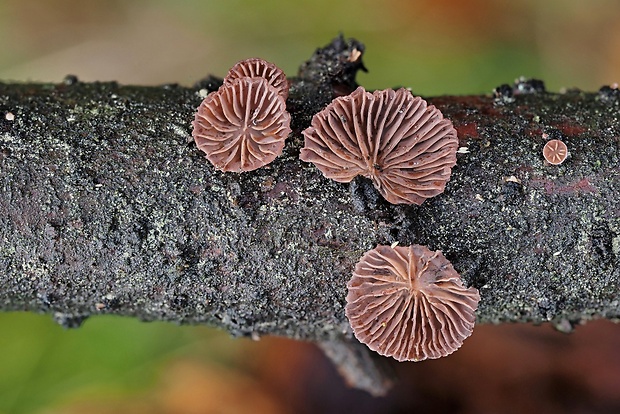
555,152
409,303
406,147
243,125
259,68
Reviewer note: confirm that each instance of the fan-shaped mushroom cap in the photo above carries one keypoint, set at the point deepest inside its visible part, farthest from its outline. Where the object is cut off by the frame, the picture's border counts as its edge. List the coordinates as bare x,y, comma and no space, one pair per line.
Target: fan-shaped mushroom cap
259,68
243,125
404,146
409,303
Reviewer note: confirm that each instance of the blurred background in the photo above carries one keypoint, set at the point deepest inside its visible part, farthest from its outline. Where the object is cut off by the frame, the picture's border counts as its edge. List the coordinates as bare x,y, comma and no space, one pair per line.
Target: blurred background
119,365
435,46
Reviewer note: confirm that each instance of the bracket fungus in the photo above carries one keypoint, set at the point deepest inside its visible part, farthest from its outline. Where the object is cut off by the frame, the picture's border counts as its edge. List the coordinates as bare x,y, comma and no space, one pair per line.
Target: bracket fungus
259,68
406,147
243,125
409,303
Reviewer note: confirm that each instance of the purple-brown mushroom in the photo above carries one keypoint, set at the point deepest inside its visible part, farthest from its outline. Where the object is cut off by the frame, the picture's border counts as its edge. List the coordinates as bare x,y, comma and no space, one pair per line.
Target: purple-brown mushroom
409,303
243,125
555,152
406,147
259,68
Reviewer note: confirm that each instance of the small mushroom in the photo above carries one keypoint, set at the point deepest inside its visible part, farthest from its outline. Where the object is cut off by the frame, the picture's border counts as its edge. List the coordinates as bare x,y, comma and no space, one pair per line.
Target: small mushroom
409,303
259,68
243,125
555,152
406,147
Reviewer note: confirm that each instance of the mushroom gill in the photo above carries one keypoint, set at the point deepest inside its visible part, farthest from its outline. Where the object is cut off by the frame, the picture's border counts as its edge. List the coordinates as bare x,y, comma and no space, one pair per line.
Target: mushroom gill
409,303
259,68
406,147
243,125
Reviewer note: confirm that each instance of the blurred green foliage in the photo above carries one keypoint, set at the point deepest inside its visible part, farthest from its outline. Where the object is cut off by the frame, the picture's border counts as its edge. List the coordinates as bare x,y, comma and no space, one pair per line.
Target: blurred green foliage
435,47
42,363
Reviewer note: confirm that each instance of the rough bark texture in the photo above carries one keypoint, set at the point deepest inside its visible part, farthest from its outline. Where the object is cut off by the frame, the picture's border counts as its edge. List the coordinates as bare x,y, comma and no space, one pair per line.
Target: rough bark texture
107,207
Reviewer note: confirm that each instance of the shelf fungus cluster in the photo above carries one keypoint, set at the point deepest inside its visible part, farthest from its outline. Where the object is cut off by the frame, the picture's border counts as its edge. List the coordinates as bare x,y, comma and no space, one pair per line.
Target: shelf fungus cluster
405,146
243,125
409,303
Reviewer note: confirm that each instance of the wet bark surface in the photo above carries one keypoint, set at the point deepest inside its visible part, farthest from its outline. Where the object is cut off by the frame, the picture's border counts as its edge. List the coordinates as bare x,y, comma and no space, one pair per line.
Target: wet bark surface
108,207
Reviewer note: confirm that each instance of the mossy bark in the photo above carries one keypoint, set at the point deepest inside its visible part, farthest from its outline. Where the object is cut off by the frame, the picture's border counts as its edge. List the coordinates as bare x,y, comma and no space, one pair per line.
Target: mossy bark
107,206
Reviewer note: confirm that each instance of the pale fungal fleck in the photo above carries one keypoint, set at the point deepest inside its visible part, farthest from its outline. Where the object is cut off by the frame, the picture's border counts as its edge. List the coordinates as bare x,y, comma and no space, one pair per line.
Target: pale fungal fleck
180,131
9,116
409,303
512,179
463,150
555,152
355,55
404,146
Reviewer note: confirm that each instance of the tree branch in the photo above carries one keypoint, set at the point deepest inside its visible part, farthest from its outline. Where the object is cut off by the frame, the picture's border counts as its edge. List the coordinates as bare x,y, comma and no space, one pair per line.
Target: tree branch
107,207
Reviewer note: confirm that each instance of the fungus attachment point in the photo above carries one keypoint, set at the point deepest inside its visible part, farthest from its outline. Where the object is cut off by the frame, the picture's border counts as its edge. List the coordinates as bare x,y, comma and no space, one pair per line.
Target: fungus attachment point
409,303
555,152
243,125
404,146
259,68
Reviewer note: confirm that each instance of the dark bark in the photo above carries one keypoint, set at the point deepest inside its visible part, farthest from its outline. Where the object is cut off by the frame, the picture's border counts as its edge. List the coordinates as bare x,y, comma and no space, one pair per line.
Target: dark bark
107,208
